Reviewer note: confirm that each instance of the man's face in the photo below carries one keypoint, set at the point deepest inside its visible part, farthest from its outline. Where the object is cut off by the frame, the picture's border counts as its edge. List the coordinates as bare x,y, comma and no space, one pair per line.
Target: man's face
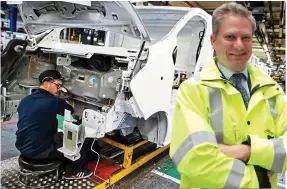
55,86
233,43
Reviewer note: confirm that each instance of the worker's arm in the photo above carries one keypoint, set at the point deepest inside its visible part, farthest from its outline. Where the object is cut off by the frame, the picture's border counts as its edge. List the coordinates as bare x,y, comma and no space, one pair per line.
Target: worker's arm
271,153
62,106
195,151
237,151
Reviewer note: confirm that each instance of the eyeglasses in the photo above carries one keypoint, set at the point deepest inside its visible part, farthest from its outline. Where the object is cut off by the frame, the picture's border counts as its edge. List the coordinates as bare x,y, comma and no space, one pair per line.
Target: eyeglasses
58,85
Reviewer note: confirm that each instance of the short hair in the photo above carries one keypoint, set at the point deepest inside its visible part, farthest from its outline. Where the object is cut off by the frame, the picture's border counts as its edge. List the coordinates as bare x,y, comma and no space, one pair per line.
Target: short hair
230,8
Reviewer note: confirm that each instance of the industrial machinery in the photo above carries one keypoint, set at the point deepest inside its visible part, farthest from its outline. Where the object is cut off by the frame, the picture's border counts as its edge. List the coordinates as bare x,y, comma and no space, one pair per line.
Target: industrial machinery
279,75
122,66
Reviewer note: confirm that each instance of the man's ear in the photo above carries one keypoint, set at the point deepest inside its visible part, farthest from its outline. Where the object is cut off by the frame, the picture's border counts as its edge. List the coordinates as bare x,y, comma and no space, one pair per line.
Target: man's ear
45,84
212,40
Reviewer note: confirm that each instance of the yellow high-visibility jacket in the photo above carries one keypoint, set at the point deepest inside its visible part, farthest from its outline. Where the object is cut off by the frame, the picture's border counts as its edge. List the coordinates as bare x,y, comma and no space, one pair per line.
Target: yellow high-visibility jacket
211,111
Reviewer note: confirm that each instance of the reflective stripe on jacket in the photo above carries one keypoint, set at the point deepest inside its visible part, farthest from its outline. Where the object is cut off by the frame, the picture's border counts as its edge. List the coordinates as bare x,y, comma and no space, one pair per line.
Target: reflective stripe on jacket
211,111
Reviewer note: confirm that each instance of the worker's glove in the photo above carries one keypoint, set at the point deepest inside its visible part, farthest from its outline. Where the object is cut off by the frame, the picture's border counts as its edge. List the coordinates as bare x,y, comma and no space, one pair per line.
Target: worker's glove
69,101
78,120
11,47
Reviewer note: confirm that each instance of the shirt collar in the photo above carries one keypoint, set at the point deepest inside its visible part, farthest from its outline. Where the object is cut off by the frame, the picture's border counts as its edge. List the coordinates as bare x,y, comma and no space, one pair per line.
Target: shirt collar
228,73
44,91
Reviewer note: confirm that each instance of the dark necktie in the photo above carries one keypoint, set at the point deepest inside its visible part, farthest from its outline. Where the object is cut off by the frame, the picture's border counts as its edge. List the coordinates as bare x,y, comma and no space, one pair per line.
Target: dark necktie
237,80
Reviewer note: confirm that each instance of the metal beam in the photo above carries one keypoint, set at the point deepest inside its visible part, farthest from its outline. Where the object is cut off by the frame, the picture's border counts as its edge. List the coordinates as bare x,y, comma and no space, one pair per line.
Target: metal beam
276,41
177,3
277,30
271,17
282,16
279,48
257,46
276,15
188,3
258,50
158,3
192,4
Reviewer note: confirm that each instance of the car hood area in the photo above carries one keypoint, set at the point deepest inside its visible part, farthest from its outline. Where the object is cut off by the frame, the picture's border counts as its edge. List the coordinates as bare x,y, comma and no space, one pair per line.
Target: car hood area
115,16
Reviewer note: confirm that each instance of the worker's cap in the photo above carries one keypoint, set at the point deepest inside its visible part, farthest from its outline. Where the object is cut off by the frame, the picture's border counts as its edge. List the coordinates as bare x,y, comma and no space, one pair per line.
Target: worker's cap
49,75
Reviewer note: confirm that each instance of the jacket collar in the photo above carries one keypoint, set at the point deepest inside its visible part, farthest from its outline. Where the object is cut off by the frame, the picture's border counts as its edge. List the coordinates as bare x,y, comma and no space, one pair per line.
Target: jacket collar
228,73
212,73
44,91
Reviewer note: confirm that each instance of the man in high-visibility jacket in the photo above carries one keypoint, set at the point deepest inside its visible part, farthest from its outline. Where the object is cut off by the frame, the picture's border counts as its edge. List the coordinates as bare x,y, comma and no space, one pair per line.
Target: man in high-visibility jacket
229,126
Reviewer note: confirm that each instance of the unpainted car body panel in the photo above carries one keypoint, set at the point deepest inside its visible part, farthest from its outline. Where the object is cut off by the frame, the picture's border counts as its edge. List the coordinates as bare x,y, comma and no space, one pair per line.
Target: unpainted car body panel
128,80
116,16
160,58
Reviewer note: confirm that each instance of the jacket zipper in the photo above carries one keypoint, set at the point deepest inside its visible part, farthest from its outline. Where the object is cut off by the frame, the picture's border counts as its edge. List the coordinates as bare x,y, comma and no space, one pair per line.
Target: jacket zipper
257,87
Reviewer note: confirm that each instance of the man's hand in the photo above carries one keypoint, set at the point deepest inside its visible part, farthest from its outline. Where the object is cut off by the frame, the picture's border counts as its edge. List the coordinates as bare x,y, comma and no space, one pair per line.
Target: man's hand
240,151
270,173
69,101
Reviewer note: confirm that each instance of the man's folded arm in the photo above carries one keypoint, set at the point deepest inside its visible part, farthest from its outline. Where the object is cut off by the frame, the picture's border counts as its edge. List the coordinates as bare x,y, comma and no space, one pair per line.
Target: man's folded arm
271,153
195,151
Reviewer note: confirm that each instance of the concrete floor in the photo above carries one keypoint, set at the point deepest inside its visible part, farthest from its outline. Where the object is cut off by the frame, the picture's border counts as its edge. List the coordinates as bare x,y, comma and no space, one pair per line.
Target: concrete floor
142,178
8,139
145,177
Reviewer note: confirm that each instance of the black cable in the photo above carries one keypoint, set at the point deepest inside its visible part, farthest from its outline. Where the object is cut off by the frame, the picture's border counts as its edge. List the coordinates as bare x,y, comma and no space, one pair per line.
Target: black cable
200,35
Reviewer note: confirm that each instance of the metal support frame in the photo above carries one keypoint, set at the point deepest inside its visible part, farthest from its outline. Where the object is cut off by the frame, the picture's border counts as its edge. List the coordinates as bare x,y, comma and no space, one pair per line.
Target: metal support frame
282,16
27,173
13,18
127,165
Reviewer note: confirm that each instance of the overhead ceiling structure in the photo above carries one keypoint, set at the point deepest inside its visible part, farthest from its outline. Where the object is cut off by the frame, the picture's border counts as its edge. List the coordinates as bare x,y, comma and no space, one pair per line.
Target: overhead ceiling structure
269,39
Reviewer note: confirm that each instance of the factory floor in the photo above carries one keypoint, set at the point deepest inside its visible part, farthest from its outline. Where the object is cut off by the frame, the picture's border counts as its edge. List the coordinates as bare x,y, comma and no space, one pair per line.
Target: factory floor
159,173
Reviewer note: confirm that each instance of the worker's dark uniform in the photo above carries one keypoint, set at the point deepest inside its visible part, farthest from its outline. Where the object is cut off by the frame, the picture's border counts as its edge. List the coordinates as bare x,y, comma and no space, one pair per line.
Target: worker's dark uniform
37,136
